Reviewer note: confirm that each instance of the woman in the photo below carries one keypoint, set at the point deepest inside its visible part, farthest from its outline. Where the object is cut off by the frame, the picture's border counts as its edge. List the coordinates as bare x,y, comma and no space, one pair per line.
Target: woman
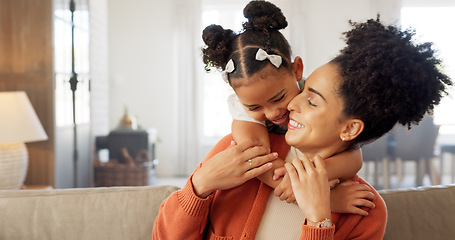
380,79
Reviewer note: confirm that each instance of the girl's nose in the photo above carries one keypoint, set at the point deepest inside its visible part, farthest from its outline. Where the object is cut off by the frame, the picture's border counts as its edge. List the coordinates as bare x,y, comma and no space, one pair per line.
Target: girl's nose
272,113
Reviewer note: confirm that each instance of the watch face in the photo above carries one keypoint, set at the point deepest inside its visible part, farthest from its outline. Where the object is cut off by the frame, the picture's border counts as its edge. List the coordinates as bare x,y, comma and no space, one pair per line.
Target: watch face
326,224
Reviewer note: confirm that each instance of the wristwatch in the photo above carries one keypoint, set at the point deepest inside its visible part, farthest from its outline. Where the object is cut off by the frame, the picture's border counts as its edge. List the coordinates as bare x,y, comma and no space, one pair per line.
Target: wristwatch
326,223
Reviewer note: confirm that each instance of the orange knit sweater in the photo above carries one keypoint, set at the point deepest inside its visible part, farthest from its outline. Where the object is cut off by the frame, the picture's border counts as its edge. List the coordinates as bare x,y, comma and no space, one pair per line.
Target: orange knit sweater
236,213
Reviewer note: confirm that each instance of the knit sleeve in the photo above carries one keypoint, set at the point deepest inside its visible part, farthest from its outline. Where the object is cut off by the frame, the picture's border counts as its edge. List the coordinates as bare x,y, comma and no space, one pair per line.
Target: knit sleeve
183,215
312,233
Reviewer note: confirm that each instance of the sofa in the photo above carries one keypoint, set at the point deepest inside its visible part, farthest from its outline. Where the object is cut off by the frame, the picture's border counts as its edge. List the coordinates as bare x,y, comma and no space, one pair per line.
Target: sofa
128,213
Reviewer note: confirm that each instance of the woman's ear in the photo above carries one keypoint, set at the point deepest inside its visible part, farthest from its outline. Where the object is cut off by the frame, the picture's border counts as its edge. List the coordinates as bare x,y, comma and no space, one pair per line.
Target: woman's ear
298,68
352,129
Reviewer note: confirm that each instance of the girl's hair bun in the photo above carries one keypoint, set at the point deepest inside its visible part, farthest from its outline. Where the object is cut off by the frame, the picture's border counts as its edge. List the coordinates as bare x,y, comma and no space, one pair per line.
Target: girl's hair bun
218,41
263,16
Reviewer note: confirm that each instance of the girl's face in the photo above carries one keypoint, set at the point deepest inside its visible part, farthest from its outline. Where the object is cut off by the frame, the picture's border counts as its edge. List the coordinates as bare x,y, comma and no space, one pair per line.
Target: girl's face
316,120
266,95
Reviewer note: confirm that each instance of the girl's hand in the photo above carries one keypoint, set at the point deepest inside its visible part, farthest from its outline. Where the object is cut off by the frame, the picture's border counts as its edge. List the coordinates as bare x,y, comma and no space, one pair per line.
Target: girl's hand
349,196
231,167
311,187
279,172
284,190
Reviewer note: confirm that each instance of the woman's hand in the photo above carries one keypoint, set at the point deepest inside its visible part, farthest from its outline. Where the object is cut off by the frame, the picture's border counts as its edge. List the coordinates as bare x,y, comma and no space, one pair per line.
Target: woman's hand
349,196
231,167
311,187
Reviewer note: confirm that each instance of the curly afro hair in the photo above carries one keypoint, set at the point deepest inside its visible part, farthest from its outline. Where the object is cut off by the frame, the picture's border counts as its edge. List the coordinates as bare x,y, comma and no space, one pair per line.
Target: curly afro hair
387,78
260,31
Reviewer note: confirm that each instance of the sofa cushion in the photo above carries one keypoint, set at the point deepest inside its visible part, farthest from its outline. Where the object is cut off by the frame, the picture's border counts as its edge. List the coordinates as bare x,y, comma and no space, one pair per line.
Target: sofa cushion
420,213
84,213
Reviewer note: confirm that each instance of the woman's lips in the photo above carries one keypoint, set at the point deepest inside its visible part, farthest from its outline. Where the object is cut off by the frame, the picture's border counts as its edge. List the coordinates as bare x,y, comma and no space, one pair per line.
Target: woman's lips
281,121
294,124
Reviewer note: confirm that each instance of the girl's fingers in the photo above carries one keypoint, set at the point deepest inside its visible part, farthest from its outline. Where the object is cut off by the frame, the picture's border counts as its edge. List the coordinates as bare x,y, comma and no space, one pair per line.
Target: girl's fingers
278,191
348,183
333,183
359,211
364,203
278,173
290,199
367,195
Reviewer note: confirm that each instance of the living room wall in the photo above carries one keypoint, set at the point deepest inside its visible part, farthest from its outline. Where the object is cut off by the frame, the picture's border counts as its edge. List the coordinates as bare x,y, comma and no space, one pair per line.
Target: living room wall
142,67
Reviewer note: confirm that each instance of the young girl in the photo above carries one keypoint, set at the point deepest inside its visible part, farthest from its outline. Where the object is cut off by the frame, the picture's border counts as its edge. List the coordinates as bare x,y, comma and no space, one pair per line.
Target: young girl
260,52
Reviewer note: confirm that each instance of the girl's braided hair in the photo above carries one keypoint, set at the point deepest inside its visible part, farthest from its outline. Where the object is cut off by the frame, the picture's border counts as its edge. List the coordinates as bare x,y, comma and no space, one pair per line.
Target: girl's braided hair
387,78
260,31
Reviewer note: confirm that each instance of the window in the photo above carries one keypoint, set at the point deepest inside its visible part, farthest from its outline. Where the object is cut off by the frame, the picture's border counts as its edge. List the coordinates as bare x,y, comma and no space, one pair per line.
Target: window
62,63
216,121
436,27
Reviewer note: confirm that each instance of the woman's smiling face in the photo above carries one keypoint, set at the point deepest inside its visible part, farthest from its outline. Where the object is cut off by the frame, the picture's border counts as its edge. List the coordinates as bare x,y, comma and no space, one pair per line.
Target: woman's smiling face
316,119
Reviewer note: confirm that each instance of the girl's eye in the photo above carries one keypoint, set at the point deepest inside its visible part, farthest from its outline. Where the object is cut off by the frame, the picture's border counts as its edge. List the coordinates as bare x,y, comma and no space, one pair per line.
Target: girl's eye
253,108
280,98
311,103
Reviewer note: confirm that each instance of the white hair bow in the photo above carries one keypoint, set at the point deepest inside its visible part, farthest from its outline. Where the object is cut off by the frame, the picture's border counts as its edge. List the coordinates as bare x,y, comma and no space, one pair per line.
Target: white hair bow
228,69
261,55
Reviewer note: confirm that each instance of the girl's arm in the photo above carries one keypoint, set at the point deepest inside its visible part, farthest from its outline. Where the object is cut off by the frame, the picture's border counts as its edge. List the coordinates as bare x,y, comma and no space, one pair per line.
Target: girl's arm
245,130
344,165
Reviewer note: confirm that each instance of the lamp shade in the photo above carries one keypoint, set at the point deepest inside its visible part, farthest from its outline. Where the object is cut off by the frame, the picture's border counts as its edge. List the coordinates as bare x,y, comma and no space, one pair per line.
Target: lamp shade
18,120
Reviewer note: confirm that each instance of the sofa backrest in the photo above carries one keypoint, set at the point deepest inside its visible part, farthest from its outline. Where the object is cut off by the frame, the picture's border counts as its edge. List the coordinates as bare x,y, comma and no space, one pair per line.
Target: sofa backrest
420,213
129,212
84,213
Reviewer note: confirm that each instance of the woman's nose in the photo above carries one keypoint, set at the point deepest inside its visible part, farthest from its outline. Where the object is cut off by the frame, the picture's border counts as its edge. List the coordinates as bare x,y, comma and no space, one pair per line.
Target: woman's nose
293,105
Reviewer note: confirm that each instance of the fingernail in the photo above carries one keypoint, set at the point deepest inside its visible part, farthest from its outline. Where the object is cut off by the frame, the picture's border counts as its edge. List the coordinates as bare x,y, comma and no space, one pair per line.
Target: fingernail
269,164
275,154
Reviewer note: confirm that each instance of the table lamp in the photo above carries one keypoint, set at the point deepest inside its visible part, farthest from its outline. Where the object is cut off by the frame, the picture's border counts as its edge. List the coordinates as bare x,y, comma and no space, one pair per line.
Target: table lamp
18,124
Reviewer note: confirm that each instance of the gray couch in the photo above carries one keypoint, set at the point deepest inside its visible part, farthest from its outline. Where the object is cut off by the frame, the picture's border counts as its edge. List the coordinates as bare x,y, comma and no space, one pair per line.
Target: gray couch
129,212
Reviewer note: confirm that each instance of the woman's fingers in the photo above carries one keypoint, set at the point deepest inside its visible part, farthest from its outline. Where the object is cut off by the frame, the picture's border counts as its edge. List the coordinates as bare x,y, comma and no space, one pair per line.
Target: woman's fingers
299,165
318,162
256,171
256,152
260,160
292,172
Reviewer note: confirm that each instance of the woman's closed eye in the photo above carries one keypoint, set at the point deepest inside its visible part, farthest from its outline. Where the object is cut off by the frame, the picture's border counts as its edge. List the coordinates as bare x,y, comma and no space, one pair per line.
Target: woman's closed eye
310,102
